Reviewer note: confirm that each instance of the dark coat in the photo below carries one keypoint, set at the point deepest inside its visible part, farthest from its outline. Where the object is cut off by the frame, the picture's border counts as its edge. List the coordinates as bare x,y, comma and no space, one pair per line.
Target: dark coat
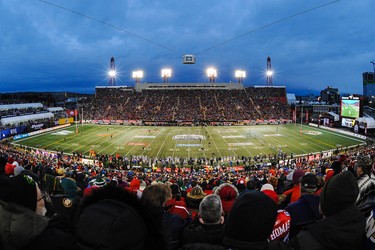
197,232
21,228
304,211
344,230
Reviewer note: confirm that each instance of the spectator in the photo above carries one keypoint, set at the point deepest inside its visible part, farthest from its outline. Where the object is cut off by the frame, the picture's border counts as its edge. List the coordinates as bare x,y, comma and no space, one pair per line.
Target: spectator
154,198
251,222
294,193
194,198
209,227
228,195
269,191
343,226
111,218
366,184
306,209
177,205
23,224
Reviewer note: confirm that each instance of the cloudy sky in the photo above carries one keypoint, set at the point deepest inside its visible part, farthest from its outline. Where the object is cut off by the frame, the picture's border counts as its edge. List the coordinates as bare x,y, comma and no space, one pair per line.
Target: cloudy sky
66,45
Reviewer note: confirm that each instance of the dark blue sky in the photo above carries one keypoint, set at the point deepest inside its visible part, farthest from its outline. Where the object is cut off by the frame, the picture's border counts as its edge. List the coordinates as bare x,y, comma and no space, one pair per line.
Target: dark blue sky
47,48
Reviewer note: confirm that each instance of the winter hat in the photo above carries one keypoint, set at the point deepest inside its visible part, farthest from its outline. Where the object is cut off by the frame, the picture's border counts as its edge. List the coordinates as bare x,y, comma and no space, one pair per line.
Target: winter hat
255,212
267,186
227,192
20,189
339,193
99,182
297,176
336,166
228,195
9,169
135,184
309,181
119,225
270,192
69,187
175,190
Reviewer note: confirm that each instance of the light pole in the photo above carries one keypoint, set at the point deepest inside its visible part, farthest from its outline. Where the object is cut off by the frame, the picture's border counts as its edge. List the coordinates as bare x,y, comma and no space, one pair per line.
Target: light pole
240,74
166,74
212,74
137,75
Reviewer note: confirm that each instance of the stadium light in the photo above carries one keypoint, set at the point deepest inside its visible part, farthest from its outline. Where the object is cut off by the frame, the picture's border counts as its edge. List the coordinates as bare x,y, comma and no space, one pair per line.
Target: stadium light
212,74
269,72
112,73
240,74
166,74
137,75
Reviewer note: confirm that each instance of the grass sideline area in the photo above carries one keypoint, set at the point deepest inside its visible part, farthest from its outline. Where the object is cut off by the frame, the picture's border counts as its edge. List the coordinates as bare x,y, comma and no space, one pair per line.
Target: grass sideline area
187,142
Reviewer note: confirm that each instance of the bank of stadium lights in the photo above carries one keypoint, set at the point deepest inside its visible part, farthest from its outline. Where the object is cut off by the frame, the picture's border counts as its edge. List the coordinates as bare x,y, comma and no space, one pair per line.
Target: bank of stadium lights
212,74
240,74
137,75
166,74
269,73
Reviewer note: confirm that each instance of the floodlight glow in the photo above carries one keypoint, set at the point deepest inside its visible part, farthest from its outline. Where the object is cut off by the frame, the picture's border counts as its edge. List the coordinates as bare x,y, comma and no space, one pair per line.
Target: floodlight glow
166,73
269,73
240,73
211,72
112,73
138,74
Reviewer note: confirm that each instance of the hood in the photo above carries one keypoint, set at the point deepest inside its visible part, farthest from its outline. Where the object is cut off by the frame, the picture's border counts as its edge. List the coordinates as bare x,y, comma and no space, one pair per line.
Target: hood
227,192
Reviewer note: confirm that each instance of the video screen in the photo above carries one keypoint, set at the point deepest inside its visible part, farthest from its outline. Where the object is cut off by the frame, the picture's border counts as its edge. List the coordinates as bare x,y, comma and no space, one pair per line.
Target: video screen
350,107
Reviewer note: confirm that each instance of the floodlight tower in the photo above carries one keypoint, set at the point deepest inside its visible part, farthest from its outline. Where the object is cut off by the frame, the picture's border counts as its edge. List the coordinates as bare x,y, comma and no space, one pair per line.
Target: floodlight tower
112,72
373,65
269,72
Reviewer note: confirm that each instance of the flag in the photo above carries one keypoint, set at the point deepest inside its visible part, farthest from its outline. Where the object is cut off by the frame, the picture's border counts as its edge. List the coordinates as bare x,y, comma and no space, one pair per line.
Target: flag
71,112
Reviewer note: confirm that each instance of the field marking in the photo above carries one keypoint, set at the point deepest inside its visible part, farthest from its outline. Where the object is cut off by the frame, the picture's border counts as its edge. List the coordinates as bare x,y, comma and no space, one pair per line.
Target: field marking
157,155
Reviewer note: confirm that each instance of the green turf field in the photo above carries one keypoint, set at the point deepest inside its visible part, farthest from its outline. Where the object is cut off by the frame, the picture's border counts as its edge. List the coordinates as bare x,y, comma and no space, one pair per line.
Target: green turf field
190,141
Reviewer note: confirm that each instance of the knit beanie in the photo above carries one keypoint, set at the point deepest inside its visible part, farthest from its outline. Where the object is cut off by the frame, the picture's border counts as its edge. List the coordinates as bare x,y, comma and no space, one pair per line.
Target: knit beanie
69,187
20,189
297,176
118,225
135,184
251,220
175,190
339,193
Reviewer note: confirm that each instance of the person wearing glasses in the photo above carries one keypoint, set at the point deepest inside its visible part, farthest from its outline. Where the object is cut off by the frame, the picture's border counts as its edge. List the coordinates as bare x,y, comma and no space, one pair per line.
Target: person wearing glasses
23,220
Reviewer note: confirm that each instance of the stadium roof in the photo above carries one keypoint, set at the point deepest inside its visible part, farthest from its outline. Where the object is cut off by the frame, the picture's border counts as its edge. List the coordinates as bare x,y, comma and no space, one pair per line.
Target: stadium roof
369,120
336,117
25,118
20,106
54,109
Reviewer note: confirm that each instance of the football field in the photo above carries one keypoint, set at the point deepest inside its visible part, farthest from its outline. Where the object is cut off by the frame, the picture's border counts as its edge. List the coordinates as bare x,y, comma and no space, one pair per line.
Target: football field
218,141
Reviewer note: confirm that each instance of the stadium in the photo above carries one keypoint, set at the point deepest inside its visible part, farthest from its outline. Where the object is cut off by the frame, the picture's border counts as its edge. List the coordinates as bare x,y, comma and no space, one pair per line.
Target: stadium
200,123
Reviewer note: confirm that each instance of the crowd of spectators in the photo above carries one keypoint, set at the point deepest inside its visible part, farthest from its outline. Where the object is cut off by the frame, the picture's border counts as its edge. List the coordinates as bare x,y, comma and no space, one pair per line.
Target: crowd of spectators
49,202
187,105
